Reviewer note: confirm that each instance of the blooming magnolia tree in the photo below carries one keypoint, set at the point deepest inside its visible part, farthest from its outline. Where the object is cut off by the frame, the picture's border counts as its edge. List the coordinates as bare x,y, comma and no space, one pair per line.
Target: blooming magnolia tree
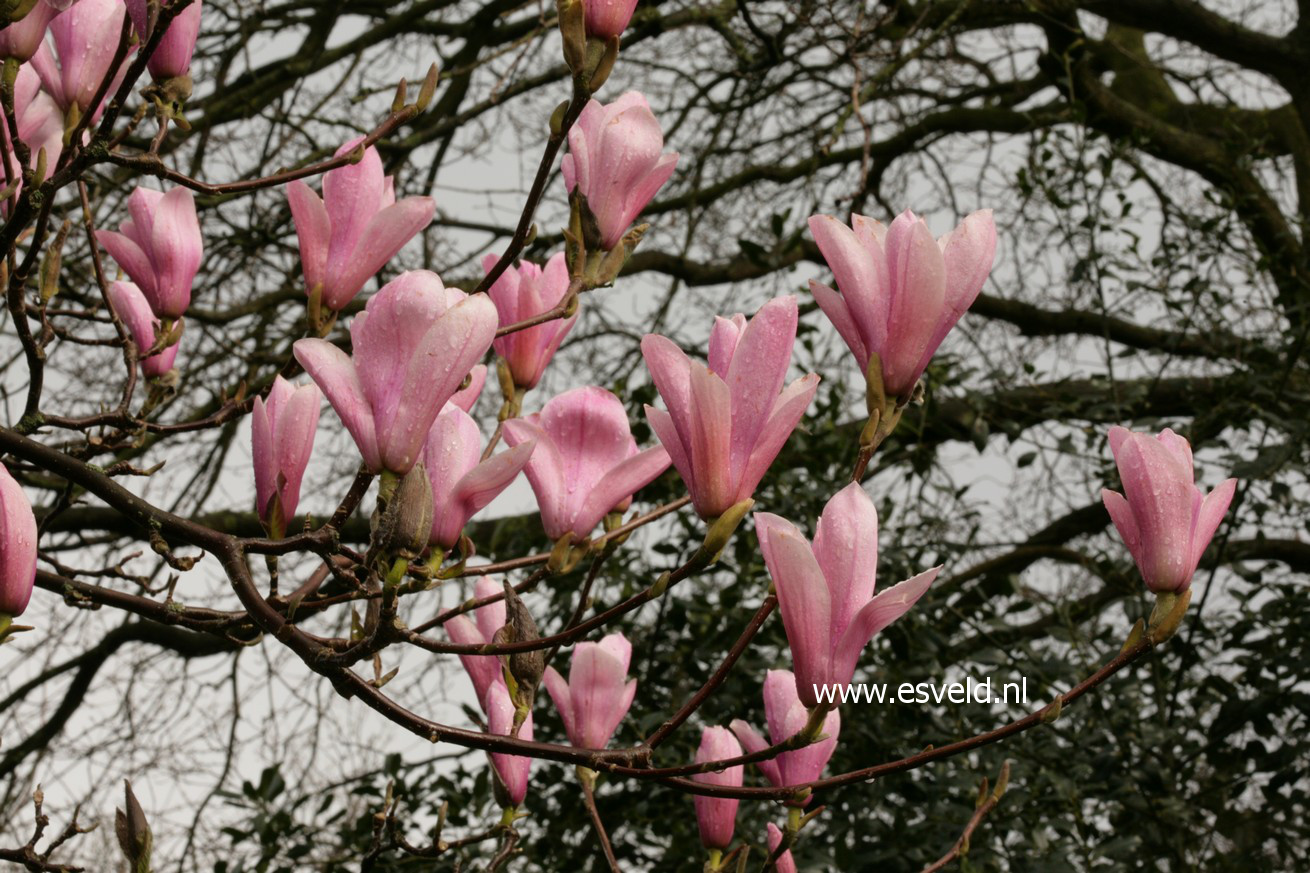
400,567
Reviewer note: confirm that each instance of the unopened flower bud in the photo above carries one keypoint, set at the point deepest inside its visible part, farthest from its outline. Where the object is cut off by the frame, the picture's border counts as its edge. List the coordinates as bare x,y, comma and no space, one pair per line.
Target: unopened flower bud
525,667
428,89
721,531
601,55
17,10
608,269
573,28
133,832
404,522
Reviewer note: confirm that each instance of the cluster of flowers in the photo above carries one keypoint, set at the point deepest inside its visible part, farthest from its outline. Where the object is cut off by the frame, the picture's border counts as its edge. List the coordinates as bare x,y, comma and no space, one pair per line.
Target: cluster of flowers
56,82
160,247
413,372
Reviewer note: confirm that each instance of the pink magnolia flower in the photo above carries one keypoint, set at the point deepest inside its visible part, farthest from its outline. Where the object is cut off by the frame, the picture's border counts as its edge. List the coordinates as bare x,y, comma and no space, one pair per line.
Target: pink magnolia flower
901,291
787,716
825,590
85,41
21,39
717,816
598,693
17,547
615,162
785,863
484,670
282,437
134,310
586,462
462,483
412,346
606,18
40,125
466,397
1164,519
520,295
172,57
727,422
355,228
511,770
160,247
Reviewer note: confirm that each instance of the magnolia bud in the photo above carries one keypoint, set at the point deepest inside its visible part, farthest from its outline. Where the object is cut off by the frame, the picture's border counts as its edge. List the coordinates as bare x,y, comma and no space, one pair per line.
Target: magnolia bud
573,28
525,667
133,832
404,522
601,55
1168,614
428,89
608,269
16,10
721,531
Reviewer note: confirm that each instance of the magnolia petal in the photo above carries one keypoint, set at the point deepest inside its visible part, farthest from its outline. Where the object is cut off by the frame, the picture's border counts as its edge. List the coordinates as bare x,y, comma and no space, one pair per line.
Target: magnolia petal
834,306
18,557
1179,447
1208,517
1121,513
787,412
918,280
466,397
546,471
293,438
484,670
969,252
334,372
759,368
483,484
176,251
1162,494
262,453
723,343
875,615
619,484
384,236
352,195
446,353
490,617
803,599
807,764
596,680
784,862
132,258
643,192
670,369
662,424
711,442
313,231
752,742
860,271
846,547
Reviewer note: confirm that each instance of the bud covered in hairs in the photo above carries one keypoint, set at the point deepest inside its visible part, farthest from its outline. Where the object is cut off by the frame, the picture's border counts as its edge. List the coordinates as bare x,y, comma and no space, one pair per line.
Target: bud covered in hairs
406,520
525,667
133,832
